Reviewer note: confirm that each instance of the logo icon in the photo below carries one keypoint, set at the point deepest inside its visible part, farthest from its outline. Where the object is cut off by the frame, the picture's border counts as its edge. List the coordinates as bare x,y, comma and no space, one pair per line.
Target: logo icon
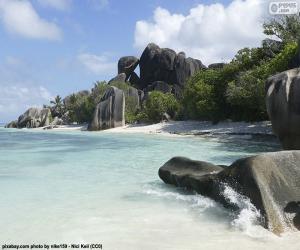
283,8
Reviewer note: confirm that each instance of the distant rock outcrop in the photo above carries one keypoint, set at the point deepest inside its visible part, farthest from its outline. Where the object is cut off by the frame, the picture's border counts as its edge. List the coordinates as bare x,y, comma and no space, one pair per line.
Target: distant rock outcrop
13,124
158,64
110,112
271,181
283,106
33,118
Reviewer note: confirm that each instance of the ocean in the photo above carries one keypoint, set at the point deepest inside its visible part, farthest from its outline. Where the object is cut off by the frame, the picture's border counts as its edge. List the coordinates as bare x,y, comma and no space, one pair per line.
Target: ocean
101,188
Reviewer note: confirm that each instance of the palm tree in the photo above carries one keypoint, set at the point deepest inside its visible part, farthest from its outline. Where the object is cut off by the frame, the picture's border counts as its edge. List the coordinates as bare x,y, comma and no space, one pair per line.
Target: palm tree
57,101
58,105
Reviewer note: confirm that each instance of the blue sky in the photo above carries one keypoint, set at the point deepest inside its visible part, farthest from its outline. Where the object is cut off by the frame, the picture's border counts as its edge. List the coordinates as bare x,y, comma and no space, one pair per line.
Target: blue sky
51,47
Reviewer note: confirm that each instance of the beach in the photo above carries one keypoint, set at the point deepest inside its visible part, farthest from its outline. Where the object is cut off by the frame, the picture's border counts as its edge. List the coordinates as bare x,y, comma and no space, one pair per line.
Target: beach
184,128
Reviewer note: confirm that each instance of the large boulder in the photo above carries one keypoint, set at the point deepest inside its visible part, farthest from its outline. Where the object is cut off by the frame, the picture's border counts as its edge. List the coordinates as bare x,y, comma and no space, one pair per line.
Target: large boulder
158,64
127,65
34,118
110,112
119,78
176,170
271,181
283,106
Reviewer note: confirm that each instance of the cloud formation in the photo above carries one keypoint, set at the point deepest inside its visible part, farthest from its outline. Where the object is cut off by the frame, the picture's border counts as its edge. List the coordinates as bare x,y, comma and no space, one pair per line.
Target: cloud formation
19,17
19,90
97,64
56,4
212,33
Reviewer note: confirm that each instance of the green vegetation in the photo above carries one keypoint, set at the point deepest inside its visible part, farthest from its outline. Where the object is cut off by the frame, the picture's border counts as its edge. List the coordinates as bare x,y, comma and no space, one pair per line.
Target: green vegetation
157,105
237,91
81,108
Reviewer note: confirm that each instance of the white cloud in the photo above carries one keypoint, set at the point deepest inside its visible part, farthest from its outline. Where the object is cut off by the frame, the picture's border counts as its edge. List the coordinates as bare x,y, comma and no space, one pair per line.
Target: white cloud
19,17
212,33
56,4
19,90
96,64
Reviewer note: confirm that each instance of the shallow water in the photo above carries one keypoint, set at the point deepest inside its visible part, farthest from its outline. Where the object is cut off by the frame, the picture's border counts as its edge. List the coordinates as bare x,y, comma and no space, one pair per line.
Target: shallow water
80,187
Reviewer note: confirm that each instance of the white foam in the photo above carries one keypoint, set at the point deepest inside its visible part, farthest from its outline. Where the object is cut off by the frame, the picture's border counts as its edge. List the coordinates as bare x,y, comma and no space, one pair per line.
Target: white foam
248,218
195,200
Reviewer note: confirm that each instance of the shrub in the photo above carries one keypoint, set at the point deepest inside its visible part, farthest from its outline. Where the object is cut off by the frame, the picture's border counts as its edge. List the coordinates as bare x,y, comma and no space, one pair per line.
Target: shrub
199,99
81,108
157,104
246,94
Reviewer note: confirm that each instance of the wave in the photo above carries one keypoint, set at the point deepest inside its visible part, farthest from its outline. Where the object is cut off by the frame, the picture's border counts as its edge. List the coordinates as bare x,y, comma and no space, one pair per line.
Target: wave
246,220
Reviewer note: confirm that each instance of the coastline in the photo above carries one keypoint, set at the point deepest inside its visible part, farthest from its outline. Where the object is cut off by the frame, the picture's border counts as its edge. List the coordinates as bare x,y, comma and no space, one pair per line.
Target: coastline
184,128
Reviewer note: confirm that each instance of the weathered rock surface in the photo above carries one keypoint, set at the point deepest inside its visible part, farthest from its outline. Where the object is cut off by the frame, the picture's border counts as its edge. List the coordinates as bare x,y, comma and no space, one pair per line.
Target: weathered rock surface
158,64
135,80
270,181
283,106
159,86
178,169
119,78
34,118
133,98
127,65
13,124
110,112
57,121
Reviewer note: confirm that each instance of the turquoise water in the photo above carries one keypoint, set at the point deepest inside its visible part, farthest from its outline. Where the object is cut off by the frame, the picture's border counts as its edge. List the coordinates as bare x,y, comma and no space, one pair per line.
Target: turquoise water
80,187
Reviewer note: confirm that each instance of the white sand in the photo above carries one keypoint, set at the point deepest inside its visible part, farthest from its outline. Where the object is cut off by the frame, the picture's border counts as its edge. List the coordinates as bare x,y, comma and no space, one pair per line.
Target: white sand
197,128
186,128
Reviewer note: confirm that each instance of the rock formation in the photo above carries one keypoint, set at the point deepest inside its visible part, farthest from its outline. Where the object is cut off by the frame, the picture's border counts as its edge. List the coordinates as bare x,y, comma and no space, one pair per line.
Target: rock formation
13,124
158,64
270,181
159,86
119,78
110,112
283,106
34,118
127,65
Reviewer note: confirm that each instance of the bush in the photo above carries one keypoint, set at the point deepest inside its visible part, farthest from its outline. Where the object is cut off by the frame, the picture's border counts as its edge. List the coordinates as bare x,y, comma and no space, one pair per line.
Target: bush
199,99
81,108
237,90
246,94
156,105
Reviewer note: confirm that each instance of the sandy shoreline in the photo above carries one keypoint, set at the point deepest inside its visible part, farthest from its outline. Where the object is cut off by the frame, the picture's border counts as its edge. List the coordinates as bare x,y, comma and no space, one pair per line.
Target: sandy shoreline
185,128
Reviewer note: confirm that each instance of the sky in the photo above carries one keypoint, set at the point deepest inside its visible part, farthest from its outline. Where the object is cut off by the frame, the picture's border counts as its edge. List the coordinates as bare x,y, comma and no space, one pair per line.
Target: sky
50,47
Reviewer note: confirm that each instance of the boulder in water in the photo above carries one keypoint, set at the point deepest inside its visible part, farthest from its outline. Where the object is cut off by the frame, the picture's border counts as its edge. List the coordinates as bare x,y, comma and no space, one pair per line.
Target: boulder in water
271,181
